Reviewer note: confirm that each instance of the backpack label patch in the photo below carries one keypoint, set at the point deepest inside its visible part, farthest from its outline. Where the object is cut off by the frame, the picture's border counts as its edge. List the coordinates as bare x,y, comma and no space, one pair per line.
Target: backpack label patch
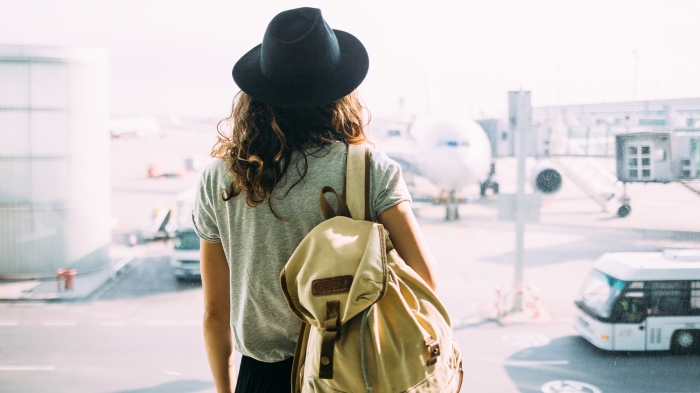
331,285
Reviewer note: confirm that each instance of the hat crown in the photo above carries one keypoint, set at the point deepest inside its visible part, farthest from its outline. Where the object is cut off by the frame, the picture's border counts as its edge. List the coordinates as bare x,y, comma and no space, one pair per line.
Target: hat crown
298,45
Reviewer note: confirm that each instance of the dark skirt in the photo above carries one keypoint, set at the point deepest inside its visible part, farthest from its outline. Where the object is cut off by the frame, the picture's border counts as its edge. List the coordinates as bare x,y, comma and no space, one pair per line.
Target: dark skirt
259,377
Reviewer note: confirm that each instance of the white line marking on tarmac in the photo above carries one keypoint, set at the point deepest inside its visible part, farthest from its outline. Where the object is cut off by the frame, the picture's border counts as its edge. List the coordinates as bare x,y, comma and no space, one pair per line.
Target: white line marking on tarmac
172,372
60,323
569,386
565,319
27,368
114,323
528,363
526,340
9,323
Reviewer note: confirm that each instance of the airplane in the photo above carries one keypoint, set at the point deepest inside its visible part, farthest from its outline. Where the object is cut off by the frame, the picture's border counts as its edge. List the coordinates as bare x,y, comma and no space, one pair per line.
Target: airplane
451,153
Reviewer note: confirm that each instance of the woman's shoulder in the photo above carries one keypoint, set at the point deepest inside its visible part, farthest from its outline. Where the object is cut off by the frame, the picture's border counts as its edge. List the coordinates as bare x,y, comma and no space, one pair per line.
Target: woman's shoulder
215,176
381,162
214,170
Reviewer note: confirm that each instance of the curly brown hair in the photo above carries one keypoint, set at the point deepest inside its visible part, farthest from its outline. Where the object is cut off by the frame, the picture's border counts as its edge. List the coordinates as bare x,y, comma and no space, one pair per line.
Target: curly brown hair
258,146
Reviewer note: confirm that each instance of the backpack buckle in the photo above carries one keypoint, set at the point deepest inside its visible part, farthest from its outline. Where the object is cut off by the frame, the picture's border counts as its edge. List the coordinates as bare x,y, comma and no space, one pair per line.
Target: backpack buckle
433,349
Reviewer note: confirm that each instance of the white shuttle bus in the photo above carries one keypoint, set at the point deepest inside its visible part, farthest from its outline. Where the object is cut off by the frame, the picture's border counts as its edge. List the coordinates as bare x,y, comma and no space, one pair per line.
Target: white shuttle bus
642,301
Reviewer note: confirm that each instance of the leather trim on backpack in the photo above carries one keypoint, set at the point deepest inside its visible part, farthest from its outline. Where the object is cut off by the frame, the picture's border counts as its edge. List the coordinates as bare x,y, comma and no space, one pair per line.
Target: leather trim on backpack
326,208
433,350
331,285
331,334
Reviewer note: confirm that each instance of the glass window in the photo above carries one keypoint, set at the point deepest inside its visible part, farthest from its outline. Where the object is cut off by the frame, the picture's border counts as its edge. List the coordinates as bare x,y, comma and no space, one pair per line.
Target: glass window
631,308
695,295
186,240
646,149
599,293
669,298
633,150
633,162
633,173
646,173
646,161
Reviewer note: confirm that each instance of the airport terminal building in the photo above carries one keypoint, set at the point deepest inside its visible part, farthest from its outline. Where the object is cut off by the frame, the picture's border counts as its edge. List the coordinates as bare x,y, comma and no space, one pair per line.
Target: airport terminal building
591,129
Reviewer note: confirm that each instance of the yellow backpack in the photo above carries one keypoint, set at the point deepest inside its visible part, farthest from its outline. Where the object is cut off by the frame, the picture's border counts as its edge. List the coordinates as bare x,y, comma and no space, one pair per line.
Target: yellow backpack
369,322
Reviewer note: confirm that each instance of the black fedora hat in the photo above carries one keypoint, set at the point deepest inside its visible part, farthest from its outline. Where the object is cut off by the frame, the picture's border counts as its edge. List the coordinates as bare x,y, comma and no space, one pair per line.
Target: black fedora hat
302,62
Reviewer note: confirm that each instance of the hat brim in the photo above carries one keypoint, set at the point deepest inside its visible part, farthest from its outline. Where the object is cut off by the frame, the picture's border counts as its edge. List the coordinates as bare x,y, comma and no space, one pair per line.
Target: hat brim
351,71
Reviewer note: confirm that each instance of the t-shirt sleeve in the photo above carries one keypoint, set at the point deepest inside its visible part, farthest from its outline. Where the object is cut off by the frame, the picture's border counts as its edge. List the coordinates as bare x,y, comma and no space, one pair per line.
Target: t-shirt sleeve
203,212
387,186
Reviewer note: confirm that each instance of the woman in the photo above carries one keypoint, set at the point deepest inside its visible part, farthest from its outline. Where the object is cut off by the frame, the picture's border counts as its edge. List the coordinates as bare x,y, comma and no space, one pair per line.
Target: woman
289,129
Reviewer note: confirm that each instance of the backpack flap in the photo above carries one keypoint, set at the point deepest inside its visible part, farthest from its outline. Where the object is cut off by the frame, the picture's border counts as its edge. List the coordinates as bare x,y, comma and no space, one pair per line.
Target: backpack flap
337,271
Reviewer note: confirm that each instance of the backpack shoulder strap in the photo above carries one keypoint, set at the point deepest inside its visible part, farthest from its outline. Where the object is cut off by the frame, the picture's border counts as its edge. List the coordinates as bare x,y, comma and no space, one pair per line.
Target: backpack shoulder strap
357,182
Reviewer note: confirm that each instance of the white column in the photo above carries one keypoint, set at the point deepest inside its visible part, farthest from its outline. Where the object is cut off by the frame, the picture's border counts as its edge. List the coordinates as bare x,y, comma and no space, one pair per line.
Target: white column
519,112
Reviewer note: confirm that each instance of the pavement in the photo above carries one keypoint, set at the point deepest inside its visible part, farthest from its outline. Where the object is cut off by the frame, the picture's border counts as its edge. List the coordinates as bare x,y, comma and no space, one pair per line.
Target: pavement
84,286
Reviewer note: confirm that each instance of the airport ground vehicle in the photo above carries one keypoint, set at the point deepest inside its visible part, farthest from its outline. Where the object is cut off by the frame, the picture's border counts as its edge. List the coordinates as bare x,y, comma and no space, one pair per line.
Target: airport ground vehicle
185,258
642,301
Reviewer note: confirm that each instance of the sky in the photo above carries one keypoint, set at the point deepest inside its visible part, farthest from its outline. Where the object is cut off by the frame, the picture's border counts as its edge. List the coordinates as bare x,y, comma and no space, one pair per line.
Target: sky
445,58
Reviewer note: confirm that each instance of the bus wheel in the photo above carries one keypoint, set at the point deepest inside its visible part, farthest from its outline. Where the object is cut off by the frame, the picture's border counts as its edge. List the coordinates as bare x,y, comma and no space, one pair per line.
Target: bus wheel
683,341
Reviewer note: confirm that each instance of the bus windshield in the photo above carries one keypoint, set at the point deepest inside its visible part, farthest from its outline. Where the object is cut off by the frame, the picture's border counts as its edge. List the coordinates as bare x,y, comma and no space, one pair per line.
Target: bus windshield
186,240
599,293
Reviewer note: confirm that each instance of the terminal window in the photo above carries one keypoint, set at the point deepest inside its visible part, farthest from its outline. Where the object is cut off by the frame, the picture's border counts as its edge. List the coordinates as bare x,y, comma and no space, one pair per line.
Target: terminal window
633,162
646,161
646,173
633,150
633,173
646,150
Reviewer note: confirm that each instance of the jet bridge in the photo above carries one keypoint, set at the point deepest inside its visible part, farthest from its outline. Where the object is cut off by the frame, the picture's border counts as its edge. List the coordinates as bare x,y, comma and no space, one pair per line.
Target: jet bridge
649,157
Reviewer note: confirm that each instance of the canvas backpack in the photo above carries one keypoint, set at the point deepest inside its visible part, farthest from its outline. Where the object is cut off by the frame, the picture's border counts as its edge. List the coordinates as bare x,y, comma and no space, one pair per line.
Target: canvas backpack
369,322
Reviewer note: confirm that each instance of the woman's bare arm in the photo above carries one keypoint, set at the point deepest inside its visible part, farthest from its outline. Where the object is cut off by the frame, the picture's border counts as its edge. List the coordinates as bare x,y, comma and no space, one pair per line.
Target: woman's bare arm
217,331
409,242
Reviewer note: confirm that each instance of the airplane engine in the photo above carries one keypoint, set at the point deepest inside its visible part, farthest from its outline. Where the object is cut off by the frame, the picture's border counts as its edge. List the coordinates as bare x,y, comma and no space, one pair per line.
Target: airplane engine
546,178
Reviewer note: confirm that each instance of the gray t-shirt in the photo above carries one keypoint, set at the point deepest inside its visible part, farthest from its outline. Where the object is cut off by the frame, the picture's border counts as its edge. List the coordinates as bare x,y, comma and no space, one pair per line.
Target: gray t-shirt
258,245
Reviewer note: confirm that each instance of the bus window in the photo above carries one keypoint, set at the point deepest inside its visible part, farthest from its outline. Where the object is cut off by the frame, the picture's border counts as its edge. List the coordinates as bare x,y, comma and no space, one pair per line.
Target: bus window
669,298
631,308
695,296
599,293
